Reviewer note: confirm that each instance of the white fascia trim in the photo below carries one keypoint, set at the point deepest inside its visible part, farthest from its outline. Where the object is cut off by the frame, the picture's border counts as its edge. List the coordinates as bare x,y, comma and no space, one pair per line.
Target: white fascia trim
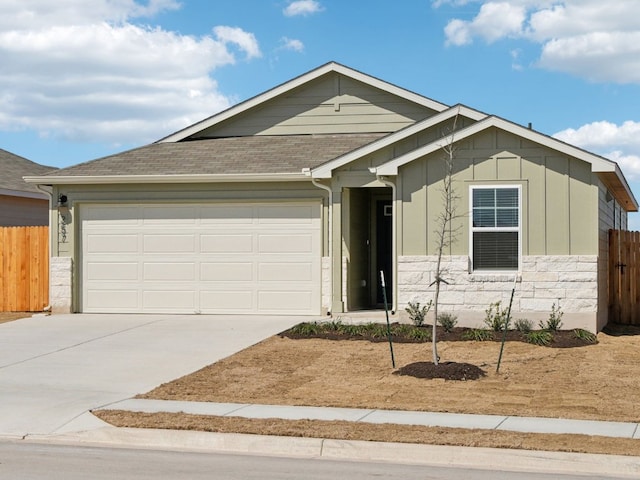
295,83
129,179
598,164
325,171
19,193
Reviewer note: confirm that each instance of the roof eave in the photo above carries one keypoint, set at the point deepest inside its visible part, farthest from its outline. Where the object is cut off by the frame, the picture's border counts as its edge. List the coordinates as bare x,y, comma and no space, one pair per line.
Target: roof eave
157,179
608,170
22,193
325,170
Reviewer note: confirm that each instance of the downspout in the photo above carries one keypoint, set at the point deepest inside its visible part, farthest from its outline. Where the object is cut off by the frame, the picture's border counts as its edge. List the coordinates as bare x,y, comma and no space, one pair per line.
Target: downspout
316,183
394,236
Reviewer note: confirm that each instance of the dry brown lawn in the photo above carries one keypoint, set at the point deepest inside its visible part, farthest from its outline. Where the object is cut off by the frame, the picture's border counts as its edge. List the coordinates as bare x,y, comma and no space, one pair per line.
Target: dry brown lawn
596,382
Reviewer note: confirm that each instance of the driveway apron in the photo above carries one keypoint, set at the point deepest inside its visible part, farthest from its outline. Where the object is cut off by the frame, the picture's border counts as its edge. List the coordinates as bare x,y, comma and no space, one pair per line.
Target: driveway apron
54,369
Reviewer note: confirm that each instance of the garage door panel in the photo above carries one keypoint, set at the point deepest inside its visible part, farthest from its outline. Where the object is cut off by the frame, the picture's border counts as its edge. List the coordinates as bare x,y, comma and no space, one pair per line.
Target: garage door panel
285,215
114,271
162,243
226,215
176,300
295,301
169,215
170,271
226,272
201,258
285,243
102,243
285,272
107,215
117,300
225,301
227,243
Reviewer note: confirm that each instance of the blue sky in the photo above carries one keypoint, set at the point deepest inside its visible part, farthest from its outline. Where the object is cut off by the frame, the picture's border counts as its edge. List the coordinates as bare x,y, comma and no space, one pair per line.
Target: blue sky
81,80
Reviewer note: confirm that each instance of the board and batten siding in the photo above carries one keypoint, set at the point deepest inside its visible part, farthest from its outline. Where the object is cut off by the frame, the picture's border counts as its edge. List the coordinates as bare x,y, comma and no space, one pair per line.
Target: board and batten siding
559,195
331,104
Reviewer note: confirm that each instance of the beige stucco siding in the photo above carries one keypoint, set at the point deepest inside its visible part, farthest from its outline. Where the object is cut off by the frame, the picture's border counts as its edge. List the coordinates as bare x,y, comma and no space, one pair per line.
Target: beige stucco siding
559,195
330,104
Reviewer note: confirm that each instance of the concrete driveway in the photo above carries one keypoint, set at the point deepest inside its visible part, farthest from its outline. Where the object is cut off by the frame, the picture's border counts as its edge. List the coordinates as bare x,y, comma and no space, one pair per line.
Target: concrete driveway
54,369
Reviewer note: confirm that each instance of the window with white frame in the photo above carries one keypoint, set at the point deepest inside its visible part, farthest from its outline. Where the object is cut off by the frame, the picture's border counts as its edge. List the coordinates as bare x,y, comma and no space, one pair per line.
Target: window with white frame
495,227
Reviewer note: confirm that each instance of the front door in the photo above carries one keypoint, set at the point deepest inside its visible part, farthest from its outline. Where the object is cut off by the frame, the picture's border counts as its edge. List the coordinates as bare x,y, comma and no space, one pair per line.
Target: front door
383,251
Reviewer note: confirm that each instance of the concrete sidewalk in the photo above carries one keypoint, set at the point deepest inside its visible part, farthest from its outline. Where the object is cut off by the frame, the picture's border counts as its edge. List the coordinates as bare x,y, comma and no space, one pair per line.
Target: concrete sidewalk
454,420
90,431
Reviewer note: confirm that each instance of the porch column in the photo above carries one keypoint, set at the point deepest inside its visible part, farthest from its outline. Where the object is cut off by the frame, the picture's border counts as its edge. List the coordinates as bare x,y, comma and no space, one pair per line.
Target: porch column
337,305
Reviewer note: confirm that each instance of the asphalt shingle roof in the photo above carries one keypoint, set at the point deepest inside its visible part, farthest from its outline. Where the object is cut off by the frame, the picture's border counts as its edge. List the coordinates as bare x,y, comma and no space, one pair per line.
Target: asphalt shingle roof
14,167
233,155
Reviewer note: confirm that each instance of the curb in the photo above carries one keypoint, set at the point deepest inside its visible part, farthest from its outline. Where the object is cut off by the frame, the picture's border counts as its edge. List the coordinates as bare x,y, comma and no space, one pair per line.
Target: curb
435,455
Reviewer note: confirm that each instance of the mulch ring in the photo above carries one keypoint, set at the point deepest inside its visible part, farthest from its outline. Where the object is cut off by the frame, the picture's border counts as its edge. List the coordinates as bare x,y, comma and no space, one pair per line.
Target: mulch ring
444,370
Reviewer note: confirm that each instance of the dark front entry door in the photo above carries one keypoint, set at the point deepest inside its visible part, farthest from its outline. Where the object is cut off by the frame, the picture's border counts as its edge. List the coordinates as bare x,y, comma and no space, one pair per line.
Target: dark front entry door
383,233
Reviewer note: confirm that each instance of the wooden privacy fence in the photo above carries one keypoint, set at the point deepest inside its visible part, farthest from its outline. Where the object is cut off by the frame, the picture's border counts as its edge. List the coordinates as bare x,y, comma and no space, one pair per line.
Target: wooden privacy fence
24,269
624,270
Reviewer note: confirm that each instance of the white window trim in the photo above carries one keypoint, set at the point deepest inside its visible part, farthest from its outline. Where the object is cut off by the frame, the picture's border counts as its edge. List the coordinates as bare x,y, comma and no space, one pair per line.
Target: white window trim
473,229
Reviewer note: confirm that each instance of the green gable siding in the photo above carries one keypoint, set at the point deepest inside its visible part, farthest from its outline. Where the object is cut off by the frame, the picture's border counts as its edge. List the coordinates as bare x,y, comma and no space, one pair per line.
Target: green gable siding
559,195
331,104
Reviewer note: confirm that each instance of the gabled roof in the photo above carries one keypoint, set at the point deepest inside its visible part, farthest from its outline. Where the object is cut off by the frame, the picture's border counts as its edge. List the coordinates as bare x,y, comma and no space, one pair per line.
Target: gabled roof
609,170
13,168
255,158
325,170
295,83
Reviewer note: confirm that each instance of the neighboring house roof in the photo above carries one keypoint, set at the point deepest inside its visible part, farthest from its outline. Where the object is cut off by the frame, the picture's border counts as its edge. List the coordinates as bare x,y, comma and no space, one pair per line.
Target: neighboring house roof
13,168
222,159
296,82
609,171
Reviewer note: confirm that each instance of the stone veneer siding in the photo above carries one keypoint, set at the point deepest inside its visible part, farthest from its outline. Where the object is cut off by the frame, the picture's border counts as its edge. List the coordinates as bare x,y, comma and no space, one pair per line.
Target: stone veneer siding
60,284
570,280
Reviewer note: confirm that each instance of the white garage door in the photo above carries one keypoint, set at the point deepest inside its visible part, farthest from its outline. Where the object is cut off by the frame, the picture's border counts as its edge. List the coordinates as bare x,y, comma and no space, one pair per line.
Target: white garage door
201,258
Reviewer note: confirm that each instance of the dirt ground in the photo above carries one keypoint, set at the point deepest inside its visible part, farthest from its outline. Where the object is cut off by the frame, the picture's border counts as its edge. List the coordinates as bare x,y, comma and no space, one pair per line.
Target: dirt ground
11,316
595,382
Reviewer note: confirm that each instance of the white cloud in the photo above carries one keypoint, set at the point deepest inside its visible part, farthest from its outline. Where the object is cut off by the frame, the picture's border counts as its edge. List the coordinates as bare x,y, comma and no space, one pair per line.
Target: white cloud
620,143
302,7
84,71
291,44
589,38
245,41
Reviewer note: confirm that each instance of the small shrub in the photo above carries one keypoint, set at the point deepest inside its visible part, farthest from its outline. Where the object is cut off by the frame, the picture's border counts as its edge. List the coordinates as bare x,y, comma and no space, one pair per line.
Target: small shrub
420,334
539,337
523,325
373,330
554,322
496,318
447,321
478,334
418,313
332,326
585,335
417,334
306,328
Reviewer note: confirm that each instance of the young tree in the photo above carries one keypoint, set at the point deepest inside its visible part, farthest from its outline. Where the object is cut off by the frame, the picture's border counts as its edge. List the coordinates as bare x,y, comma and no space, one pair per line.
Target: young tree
445,234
